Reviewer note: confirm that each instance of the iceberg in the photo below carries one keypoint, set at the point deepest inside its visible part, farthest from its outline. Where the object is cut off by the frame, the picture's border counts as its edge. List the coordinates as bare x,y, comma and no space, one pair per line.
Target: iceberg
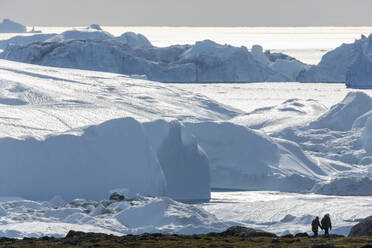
132,54
359,74
134,40
95,55
279,62
348,63
24,40
241,158
224,63
9,26
81,34
114,154
95,26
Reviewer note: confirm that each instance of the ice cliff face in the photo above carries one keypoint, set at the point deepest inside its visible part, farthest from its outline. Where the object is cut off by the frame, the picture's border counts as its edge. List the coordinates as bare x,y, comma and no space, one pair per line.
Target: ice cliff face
185,166
359,74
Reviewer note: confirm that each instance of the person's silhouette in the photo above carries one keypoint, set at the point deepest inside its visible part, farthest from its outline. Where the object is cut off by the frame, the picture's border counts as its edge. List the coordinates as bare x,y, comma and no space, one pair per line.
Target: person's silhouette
326,224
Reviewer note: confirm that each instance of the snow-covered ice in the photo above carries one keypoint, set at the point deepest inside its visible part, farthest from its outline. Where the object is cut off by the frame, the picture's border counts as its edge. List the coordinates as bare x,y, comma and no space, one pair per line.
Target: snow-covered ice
36,101
307,146
284,213
36,219
81,34
131,53
277,212
25,40
69,99
114,154
241,158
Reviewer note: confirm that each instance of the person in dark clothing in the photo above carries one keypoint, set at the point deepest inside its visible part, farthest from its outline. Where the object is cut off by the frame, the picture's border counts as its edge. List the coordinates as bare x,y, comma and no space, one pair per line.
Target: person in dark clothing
326,224
314,226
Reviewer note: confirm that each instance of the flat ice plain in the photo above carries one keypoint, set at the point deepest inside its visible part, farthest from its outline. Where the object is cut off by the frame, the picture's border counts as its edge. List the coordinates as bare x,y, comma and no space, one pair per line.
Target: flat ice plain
68,99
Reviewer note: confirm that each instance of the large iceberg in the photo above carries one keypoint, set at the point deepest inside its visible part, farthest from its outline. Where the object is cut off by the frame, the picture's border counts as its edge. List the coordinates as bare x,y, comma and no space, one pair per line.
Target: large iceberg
224,63
132,54
25,40
109,56
113,155
43,110
348,63
279,62
241,158
9,26
359,74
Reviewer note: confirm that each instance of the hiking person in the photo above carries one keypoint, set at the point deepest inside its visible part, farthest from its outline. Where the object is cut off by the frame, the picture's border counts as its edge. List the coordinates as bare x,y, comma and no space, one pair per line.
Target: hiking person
314,226
326,224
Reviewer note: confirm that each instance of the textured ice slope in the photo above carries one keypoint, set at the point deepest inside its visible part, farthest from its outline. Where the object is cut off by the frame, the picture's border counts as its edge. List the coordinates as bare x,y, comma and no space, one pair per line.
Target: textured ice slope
340,138
241,158
36,101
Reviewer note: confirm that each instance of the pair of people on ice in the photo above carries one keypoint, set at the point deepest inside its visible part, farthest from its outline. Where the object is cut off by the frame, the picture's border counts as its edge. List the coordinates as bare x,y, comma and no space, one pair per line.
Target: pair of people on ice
325,224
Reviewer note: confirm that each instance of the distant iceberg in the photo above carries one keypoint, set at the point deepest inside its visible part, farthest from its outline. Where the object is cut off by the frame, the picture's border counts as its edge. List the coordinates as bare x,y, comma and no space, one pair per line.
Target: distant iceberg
348,63
133,54
24,40
9,26
359,74
81,34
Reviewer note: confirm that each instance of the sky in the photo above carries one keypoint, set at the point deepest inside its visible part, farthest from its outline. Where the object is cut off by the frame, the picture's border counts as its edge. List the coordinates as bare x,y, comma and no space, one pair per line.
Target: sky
188,12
